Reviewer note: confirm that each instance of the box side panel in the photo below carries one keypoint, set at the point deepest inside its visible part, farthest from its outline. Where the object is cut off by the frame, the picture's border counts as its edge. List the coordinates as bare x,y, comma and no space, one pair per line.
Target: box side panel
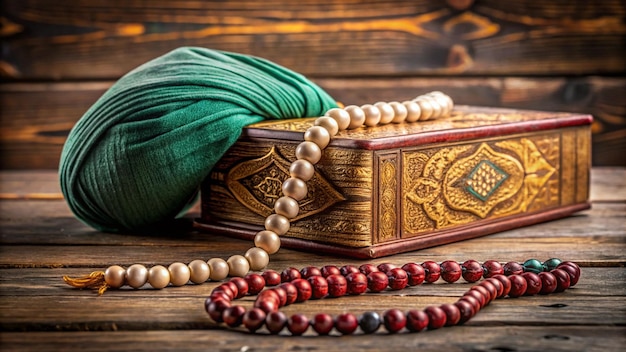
243,187
387,203
583,163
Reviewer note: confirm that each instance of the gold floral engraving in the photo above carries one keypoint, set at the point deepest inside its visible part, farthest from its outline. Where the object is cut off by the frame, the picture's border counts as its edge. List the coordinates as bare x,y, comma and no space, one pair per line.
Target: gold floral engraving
257,185
387,193
464,183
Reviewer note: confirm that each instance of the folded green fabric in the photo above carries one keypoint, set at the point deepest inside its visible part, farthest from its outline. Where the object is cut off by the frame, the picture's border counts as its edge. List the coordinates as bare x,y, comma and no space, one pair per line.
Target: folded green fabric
139,154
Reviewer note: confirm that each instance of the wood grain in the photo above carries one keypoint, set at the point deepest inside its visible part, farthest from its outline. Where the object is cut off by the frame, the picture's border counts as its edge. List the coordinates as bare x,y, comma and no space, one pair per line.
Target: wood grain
101,40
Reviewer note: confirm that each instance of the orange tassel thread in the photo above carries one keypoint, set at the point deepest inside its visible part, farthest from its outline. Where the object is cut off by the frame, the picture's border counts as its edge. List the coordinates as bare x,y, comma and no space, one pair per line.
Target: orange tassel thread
94,281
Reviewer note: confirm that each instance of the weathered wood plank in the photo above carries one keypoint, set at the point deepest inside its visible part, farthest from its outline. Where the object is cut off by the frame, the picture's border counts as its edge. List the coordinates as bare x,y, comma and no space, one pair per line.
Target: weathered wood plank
36,118
101,40
558,338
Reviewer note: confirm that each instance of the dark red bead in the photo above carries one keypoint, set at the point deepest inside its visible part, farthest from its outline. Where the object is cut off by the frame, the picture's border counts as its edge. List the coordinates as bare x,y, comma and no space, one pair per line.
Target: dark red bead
309,271
357,283
548,283
272,278
573,270
367,268
499,286
226,290
416,273
297,324
377,281
219,294
242,286
562,279
319,285
513,268
492,268
436,317
416,320
289,274
266,305
256,283
398,278
254,319
216,307
291,291
348,269
453,315
484,292
506,284
466,310
450,271
268,295
385,267
518,286
472,270
533,282
330,270
482,300
282,296
322,323
493,290
432,270
275,322
233,287
304,289
394,320
233,316
346,323
337,285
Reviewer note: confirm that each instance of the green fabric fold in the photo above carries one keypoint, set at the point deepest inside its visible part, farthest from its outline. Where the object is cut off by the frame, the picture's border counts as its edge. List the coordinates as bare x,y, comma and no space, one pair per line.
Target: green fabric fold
138,155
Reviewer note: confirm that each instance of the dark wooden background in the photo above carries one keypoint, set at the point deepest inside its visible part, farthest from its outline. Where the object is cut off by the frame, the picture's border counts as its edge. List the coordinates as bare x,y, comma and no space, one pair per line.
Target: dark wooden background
58,57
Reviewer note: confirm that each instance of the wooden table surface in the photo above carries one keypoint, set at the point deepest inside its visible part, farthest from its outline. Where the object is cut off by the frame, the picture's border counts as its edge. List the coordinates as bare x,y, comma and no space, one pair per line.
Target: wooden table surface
42,241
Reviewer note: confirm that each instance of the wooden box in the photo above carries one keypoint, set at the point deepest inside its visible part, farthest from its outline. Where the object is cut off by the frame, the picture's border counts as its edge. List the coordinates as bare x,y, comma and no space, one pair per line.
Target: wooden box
396,188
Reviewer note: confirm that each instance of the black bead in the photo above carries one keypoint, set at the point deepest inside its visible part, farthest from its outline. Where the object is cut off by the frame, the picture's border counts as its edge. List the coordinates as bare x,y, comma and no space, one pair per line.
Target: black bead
369,322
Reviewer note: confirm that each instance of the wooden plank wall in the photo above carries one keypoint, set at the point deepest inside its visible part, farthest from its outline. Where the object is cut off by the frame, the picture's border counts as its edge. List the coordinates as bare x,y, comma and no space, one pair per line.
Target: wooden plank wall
58,57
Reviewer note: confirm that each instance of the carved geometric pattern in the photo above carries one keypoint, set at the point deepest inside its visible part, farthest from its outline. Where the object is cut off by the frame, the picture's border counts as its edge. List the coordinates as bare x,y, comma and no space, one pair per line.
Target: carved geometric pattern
387,213
485,179
257,184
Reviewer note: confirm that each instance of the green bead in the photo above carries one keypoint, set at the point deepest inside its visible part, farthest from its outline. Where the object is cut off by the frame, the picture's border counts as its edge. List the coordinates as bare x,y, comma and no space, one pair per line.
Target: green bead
533,266
552,263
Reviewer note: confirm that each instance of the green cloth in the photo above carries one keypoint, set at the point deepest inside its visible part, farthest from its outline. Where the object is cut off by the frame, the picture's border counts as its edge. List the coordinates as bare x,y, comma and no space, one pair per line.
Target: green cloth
138,155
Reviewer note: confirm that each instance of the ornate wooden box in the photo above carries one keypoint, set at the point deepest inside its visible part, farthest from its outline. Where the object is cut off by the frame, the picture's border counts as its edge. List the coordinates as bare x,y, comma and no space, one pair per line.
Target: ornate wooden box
390,189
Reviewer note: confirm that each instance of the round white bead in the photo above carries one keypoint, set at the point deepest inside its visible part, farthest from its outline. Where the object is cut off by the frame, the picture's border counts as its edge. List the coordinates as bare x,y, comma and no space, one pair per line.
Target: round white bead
158,276
399,112
200,271
357,116
136,275
341,116
179,274
238,265
302,169
287,207
308,151
269,241
115,276
318,135
425,107
218,268
295,188
372,115
328,123
386,112
257,257
413,111
277,224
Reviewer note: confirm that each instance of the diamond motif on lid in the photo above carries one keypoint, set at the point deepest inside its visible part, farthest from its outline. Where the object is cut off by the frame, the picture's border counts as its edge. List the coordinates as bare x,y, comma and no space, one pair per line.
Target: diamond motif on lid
484,179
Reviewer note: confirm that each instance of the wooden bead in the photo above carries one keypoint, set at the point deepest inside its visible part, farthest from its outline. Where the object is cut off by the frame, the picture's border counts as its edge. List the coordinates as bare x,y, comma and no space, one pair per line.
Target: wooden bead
294,188
399,112
372,115
357,116
450,271
158,276
199,270
413,111
268,241
436,317
287,207
115,276
426,109
179,274
328,123
238,265
318,135
341,116
302,169
257,257
218,268
398,278
308,151
277,224
136,275
386,112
